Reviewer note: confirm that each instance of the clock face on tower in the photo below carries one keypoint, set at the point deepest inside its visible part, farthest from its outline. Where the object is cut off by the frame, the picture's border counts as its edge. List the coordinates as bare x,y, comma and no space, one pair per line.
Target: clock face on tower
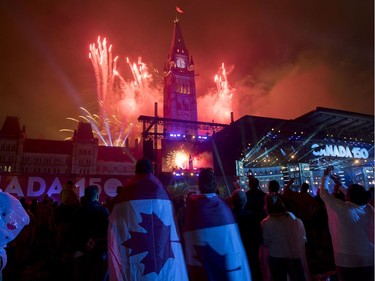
180,63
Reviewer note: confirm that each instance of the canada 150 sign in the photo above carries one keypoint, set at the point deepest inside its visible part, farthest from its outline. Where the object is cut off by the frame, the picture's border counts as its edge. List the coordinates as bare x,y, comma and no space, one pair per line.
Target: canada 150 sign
339,151
37,186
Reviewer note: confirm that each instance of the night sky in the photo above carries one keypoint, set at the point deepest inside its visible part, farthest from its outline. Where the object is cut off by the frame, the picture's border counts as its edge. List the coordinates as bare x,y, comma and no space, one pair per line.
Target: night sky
284,58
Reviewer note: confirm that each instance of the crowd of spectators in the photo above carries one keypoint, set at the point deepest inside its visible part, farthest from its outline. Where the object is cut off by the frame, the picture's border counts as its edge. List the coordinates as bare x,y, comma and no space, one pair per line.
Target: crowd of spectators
280,235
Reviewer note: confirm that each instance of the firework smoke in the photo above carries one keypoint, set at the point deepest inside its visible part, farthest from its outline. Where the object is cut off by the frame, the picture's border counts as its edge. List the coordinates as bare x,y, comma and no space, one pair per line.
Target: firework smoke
217,104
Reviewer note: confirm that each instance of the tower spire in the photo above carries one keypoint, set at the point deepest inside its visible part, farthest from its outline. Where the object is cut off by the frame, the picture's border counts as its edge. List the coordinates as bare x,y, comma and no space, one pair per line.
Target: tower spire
178,43
180,100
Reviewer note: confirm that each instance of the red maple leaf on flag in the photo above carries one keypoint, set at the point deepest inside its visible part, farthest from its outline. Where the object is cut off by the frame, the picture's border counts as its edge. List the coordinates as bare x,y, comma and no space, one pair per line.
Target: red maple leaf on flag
179,10
11,226
156,241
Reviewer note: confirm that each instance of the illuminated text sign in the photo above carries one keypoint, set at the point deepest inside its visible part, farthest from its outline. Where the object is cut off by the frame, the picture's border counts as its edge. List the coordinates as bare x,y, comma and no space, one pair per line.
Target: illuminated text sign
38,186
339,151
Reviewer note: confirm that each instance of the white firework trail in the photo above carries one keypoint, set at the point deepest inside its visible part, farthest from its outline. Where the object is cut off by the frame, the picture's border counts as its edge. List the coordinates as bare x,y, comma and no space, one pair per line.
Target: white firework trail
217,104
120,101
222,85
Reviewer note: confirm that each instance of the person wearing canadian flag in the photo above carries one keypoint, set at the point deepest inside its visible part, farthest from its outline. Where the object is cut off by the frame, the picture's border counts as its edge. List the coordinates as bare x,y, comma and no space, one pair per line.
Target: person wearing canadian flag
143,240
214,250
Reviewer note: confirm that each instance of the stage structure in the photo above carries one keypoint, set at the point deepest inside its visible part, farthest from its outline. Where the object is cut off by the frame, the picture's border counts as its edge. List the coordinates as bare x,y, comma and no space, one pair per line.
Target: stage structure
278,149
188,149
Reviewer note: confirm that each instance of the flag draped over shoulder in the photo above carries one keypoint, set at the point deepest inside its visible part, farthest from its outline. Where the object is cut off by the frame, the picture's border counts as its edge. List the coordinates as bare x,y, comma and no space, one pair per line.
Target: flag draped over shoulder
214,250
143,242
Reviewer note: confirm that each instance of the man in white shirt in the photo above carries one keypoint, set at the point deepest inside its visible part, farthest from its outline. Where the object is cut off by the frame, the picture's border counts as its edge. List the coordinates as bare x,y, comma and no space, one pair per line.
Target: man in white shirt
351,223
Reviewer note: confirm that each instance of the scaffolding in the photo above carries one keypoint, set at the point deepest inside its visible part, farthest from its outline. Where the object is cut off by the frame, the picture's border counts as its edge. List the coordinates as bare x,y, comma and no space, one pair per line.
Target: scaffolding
154,128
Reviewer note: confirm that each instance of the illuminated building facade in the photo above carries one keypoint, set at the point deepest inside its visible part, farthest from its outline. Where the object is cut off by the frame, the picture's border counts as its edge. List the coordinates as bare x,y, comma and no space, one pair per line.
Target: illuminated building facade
34,167
183,138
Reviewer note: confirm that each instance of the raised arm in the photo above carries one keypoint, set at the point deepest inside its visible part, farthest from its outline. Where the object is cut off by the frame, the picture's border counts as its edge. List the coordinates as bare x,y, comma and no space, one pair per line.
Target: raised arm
325,179
329,199
339,187
286,190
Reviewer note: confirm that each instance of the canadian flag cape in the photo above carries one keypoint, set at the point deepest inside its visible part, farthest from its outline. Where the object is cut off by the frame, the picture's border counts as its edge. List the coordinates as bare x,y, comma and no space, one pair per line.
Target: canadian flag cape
143,242
214,250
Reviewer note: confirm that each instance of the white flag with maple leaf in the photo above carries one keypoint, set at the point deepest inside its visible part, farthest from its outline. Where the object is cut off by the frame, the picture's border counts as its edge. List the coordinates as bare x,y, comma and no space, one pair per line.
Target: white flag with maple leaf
143,241
214,249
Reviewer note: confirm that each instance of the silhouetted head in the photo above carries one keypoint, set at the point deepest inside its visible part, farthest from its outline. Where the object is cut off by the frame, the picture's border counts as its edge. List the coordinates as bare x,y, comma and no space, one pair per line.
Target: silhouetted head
273,204
273,186
239,198
69,185
67,194
206,181
119,189
358,194
305,187
143,166
253,183
92,193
